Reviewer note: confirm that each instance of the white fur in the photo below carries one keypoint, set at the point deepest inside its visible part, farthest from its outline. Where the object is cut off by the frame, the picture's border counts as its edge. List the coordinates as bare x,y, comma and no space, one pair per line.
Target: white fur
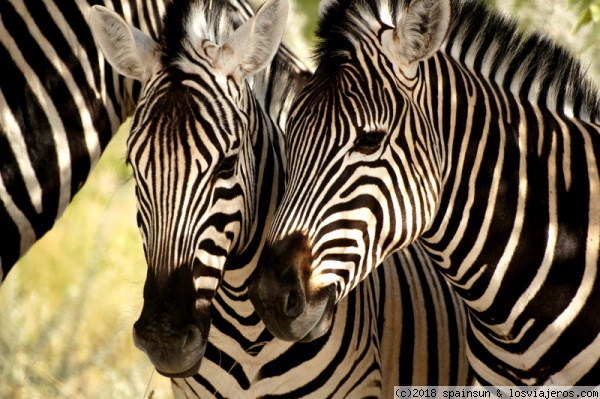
247,51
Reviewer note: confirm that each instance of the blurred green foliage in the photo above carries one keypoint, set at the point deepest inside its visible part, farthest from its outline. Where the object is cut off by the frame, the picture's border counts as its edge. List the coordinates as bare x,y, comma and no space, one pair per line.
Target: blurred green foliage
309,8
572,23
589,12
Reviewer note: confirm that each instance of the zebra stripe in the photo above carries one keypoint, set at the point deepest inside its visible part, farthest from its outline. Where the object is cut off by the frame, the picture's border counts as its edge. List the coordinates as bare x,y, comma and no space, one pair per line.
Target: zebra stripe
208,164
61,105
471,137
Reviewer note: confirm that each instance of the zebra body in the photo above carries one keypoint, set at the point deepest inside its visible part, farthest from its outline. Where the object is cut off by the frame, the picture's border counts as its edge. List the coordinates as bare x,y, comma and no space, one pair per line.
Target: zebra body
61,104
440,122
208,162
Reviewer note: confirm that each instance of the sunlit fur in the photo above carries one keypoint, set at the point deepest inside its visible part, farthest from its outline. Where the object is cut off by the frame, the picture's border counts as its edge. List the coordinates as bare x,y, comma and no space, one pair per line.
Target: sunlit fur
190,136
60,105
208,165
490,159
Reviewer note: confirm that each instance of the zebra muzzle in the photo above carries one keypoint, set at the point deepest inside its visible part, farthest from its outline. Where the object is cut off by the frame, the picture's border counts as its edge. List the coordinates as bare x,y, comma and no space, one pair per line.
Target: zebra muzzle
282,296
171,330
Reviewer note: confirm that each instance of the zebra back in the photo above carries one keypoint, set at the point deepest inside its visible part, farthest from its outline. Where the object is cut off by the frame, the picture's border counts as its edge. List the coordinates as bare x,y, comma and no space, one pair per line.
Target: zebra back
61,106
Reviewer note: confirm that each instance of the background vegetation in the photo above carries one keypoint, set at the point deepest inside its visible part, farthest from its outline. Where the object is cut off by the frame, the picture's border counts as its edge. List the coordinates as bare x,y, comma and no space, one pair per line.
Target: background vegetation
67,308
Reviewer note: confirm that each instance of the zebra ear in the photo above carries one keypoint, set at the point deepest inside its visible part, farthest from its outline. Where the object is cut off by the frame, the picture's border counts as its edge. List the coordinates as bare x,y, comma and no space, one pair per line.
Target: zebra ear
254,44
129,50
421,31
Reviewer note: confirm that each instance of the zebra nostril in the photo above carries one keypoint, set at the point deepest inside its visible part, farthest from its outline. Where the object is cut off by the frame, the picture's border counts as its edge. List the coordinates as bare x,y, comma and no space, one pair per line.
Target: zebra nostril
294,304
193,339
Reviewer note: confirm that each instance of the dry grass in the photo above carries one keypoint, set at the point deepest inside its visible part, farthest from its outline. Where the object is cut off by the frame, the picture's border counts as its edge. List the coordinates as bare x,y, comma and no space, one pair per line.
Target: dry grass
67,308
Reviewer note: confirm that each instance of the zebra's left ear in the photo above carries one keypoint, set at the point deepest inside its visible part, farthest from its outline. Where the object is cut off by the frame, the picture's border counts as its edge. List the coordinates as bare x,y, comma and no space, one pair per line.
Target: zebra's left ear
420,32
254,44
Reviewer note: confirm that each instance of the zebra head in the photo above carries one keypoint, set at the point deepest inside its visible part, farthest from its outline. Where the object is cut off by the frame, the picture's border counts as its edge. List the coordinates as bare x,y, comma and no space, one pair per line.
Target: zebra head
191,151
352,134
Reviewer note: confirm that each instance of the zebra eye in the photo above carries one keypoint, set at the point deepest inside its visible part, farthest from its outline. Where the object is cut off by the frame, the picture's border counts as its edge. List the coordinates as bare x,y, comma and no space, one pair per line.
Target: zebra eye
368,143
226,168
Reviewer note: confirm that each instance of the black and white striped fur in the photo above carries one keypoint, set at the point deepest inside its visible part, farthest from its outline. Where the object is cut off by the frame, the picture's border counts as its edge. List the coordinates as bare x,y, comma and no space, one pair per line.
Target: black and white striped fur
441,122
61,104
209,166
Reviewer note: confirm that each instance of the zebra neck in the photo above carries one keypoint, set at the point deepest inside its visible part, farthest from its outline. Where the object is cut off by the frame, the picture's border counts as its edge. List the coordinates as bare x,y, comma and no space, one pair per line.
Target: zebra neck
518,220
273,91
268,179
518,203
276,87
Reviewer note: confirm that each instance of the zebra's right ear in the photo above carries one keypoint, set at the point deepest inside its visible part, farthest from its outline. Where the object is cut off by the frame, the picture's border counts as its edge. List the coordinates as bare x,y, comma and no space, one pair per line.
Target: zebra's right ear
129,50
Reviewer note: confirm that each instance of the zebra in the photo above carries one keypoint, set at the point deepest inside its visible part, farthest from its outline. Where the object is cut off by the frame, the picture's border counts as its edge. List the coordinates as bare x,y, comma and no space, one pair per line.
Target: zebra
208,164
443,123
61,104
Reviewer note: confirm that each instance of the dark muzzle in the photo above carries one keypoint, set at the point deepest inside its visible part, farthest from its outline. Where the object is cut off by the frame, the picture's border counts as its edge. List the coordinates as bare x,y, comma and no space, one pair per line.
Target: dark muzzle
170,329
280,291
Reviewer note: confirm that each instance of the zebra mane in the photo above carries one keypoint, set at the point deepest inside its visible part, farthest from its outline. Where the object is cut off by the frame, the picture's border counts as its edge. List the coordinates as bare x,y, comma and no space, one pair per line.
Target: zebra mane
277,86
191,21
482,40
194,21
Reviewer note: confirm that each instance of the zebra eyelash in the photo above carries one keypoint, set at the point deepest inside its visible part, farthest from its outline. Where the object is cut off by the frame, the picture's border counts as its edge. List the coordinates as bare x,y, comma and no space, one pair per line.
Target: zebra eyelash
369,142
128,175
226,168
